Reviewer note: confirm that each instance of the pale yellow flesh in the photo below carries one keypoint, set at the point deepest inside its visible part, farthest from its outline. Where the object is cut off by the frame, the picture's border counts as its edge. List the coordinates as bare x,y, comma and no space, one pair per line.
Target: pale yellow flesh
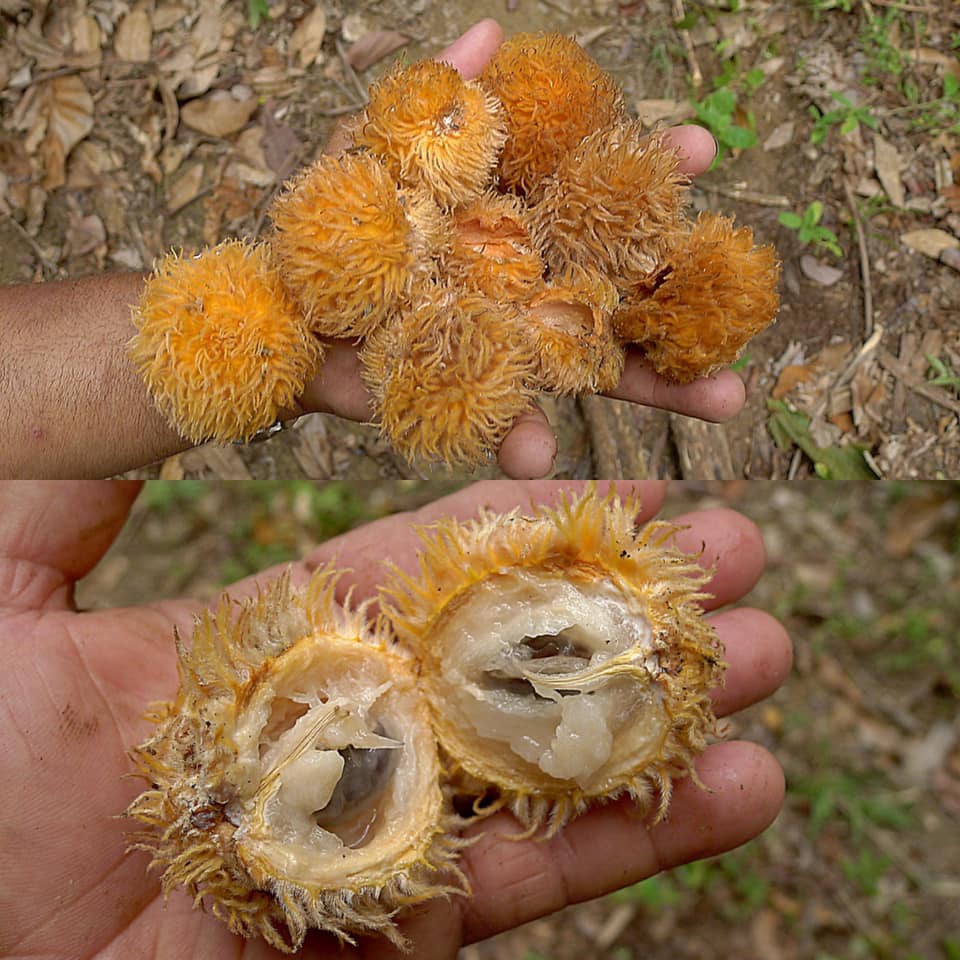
507,693
329,712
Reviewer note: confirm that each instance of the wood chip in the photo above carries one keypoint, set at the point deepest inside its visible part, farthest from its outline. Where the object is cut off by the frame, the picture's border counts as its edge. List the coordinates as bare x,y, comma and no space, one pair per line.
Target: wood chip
888,165
930,242
186,188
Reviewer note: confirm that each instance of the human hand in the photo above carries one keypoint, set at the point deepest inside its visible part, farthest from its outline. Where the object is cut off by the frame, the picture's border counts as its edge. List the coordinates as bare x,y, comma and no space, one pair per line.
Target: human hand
528,450
76,685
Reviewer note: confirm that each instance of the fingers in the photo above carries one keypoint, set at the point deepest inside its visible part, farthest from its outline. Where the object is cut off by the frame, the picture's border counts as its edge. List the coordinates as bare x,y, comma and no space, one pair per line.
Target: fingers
470,52
696,146
528,450
53,533
728,544
610,847
759,656
716,398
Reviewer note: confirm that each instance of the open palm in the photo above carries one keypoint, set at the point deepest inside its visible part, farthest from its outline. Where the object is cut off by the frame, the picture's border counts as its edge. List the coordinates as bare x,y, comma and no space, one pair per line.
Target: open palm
75,686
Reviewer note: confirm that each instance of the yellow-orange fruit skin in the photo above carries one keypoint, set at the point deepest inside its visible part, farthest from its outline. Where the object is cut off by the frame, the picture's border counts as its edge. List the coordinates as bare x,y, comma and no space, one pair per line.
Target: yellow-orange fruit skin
220,344
433,129
491,249
553,95
610,204
448,374
717,291
344,245
569,323
481,576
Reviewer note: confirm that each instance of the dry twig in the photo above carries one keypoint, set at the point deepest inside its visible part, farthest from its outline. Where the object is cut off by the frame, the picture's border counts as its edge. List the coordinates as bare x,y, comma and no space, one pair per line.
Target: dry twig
864,261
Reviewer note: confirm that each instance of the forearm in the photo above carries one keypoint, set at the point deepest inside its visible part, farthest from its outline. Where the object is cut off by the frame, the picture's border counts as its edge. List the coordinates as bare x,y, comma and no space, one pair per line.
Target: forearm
71,402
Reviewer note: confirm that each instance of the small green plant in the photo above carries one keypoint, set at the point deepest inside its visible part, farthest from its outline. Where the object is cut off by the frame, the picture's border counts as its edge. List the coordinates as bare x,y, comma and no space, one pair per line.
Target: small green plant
809,231
943,375
847,115
865,870
654,892
167,495
883,55
822,6
716,112
257,11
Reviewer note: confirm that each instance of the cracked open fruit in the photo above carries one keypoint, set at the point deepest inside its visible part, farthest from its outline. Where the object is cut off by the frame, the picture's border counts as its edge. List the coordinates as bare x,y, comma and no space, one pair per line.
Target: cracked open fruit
297,780
504,186
565,656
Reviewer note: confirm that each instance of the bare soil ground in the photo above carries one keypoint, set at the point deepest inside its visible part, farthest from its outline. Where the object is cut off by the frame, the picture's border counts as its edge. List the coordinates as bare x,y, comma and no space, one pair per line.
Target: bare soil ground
864,861
130,128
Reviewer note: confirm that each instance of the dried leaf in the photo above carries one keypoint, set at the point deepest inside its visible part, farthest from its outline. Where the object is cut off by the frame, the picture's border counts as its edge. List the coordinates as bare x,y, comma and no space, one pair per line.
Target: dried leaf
781,136
888,165
307,40
282,148
217,116
373,46
69,115
186,188
790,427
652,112
133,37
791,376
85,234
930,242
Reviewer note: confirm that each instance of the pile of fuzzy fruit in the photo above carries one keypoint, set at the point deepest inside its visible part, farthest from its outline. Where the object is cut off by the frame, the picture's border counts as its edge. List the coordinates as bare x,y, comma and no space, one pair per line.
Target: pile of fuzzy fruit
481,241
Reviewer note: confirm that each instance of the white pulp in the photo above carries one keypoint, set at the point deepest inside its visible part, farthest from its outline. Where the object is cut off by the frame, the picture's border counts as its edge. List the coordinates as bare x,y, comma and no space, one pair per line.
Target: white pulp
565,727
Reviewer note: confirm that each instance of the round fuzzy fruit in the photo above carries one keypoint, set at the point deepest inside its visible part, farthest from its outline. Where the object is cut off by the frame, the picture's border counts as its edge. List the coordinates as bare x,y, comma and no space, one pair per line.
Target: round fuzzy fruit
553,94
565,655
715,292
433,129
612,204
295,780
220,344
448,375
344,244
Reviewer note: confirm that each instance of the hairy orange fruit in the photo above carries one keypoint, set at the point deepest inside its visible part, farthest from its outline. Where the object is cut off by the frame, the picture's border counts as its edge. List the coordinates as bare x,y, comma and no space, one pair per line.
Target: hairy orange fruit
492,251
565,654
716,291
220,344
553,94
610,204
433,129
294,782
448,375
569,323
344,244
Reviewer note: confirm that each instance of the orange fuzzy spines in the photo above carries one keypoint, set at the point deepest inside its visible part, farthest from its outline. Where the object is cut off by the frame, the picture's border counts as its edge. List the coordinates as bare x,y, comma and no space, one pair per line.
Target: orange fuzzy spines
569,325
716,292
344,244
448,374
554,94
611,204
433,129
219,343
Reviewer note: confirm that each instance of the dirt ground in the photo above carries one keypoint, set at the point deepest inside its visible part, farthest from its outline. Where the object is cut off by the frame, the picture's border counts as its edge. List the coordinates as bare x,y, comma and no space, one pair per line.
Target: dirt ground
127,129
864,861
